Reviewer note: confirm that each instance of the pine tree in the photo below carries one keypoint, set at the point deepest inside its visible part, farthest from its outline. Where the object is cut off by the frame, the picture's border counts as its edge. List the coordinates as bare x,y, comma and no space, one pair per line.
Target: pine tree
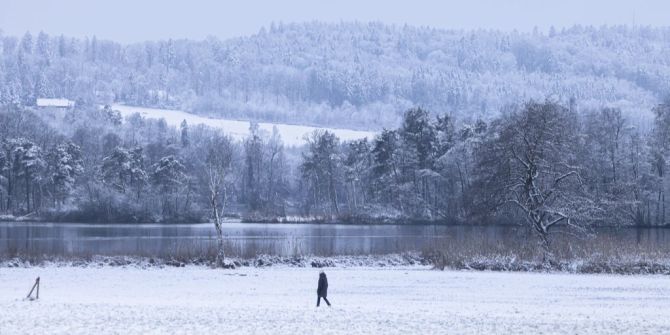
169,176
185,141
28,163
66,165
253,165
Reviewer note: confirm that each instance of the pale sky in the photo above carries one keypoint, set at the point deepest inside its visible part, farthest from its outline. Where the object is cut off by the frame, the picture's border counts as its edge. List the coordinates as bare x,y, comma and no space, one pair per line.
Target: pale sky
138,20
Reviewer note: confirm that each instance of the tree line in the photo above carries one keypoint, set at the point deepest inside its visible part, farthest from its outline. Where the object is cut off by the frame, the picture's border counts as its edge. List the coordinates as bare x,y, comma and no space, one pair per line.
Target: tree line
541,163
88,164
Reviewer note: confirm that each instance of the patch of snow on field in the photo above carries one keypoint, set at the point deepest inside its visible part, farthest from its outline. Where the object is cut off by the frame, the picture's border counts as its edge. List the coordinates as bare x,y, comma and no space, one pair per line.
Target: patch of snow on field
291,134
414,300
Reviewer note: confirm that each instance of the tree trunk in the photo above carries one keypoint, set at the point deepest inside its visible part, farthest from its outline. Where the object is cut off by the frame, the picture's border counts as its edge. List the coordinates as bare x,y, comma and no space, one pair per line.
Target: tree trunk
220,256
10,190
353,185
658,208
270,198
27,193
547,256
663,211
332,190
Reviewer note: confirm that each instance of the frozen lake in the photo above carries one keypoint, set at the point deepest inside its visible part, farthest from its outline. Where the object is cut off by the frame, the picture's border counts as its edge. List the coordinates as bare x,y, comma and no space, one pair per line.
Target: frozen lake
250,239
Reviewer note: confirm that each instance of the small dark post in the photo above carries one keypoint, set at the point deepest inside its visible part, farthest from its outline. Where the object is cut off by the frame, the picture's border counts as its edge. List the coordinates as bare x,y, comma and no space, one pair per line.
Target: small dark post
36,285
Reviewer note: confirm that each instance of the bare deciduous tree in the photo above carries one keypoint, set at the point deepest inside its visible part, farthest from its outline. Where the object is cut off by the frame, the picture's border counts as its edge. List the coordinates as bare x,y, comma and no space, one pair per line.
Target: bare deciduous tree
532,170
217,168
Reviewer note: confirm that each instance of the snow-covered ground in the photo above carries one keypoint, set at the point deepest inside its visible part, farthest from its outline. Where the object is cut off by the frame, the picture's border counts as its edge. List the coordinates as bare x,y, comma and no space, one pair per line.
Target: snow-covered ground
281,300
291,134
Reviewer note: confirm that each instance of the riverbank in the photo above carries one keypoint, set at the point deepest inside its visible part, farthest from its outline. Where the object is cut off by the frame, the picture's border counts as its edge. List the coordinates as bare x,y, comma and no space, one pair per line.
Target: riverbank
630,265
197,300
293,219
208,261
306,221
349,220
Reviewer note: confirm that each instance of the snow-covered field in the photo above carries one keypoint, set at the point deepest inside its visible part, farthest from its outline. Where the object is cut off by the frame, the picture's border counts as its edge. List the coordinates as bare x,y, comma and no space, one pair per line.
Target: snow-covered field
281,300
291,134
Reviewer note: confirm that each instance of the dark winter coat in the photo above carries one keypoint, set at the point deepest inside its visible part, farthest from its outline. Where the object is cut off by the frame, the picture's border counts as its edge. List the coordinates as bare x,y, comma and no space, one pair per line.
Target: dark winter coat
322,290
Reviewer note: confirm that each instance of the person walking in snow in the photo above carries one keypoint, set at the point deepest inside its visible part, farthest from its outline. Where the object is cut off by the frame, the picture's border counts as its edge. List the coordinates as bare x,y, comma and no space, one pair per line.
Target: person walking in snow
322,289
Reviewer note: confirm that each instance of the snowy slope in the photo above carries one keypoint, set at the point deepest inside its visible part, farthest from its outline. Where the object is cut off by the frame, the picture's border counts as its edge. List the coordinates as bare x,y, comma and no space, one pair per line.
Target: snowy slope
291,134
278,300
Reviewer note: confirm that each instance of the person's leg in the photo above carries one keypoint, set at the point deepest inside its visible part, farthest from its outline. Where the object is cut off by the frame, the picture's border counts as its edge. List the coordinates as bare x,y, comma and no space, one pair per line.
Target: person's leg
318,301
326,300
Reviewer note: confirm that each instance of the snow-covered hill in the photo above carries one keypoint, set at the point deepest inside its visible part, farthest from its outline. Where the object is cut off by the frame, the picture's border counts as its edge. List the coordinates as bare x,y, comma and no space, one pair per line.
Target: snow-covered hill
291,134
353,75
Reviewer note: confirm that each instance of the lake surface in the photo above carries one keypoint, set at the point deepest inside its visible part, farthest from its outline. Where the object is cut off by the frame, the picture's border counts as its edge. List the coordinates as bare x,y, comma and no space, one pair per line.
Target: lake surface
250,239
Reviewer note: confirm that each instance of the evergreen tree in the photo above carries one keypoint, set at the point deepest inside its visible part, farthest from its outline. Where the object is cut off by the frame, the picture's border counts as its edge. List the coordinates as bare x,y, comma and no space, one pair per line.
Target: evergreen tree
185,141
65,166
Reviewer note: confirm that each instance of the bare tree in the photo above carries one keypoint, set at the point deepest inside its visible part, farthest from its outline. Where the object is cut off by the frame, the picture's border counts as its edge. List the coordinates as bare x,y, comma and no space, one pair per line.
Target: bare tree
321,169
217,168
275,152
530,167
660,147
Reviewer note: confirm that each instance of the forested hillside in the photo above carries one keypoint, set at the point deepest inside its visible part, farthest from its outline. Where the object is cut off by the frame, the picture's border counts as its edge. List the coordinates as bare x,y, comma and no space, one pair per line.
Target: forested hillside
348,74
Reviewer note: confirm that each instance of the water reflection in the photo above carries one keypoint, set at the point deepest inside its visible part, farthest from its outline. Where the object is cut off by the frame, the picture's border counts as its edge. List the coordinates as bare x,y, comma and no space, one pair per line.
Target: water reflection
286,239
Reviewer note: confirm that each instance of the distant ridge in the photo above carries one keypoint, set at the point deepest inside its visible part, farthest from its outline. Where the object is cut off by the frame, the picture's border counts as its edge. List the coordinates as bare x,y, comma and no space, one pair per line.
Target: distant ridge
355,75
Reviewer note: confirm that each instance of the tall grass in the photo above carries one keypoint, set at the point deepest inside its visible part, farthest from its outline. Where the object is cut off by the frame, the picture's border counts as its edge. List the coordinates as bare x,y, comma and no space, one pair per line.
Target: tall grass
611,252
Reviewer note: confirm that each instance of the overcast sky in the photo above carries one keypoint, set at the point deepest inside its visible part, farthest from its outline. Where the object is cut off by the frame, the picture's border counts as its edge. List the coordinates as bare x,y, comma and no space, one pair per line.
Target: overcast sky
138,20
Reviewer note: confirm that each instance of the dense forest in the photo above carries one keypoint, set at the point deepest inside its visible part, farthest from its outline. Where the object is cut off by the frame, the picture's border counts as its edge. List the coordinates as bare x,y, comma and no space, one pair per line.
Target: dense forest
541,162
359,75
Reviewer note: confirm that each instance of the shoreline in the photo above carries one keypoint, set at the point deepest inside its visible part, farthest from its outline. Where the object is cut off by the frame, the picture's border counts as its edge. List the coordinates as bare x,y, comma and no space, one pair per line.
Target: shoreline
501,264
300,221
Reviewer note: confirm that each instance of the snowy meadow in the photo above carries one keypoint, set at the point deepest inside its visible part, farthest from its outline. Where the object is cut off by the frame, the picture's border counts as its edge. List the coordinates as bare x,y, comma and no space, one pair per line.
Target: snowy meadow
281,300
292,135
